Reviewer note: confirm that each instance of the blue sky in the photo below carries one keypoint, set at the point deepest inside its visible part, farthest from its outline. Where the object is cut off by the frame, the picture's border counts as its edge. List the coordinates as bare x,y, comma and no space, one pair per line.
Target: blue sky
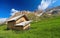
31,5
57,3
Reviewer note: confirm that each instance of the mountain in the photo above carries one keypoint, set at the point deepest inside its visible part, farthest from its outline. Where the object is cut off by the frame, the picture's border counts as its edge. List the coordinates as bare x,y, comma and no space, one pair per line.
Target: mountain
2,20
48,9
34,15
54,10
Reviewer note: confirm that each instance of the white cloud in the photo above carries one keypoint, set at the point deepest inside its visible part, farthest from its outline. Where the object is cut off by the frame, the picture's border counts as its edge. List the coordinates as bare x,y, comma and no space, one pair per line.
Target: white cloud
13,11
2,20
45,3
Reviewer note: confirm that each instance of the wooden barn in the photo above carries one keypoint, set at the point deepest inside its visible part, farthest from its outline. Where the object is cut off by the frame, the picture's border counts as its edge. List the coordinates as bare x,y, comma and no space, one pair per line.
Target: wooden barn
20,22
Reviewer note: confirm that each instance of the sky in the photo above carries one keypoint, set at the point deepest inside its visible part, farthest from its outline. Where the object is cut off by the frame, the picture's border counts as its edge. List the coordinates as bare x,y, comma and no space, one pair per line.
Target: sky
7,5
31,5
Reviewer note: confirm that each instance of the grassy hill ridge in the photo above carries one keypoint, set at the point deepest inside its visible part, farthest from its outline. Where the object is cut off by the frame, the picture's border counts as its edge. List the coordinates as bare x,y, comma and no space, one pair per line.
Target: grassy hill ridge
46,28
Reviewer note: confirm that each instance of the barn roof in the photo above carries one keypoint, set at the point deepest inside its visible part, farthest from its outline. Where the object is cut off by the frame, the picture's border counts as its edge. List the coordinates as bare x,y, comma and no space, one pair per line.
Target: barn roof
15,18
23,23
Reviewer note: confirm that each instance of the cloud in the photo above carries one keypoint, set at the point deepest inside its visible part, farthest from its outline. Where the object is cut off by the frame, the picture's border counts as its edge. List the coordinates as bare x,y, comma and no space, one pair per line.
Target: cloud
2,20
45,3
13,11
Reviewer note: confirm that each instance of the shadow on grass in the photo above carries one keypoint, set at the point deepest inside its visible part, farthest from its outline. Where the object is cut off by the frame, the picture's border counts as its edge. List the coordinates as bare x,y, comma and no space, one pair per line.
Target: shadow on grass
6,29
17,31
1,36
20,31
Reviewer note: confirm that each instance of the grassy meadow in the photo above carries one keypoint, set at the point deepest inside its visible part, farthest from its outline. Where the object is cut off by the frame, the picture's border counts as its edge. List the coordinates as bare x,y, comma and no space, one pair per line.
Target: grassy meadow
46,28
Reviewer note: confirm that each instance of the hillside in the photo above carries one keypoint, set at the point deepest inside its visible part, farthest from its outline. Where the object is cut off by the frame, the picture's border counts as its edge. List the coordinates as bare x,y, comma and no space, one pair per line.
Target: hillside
55,10
46,28
57,7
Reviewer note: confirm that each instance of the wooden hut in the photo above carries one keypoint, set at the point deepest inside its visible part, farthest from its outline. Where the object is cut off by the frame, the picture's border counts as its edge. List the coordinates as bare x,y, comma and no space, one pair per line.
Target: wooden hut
20,22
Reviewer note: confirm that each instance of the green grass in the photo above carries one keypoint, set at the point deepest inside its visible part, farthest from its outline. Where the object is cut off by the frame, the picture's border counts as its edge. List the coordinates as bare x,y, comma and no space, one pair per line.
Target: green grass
47,28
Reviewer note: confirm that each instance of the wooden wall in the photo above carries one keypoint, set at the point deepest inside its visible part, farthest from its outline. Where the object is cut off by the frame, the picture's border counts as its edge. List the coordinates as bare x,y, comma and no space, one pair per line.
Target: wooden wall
26,27
22,27
11,24
22,19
